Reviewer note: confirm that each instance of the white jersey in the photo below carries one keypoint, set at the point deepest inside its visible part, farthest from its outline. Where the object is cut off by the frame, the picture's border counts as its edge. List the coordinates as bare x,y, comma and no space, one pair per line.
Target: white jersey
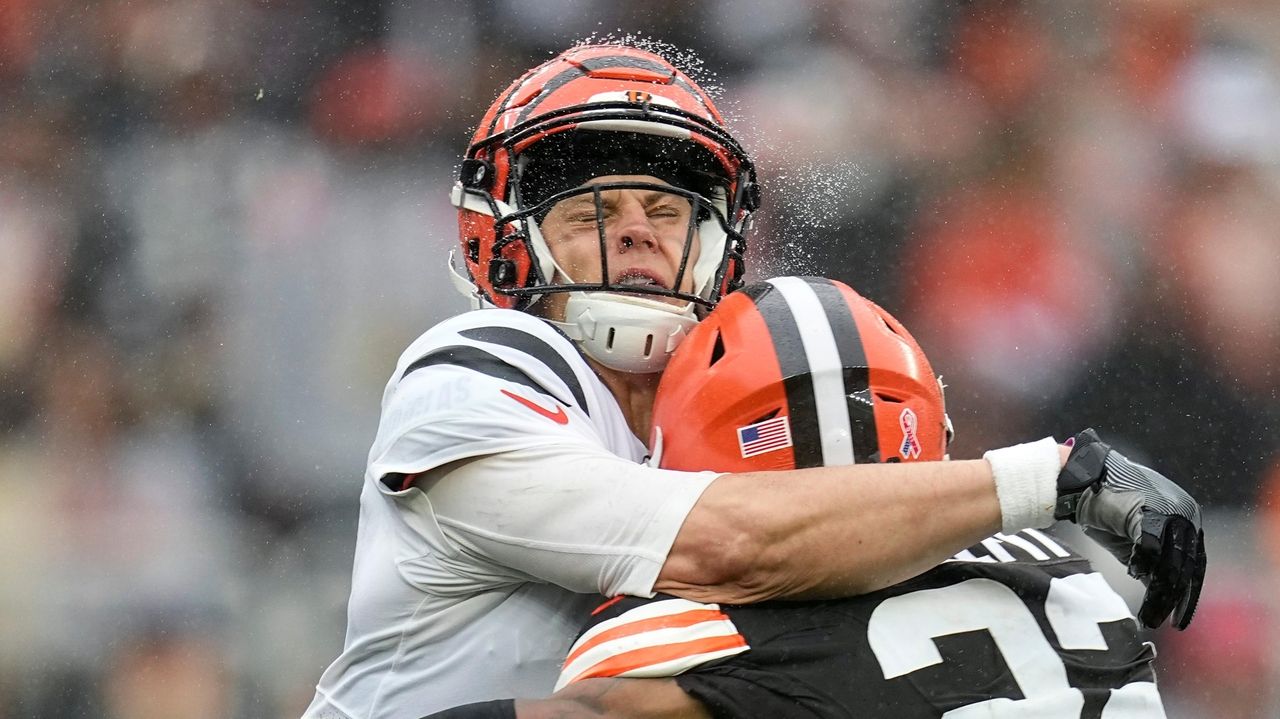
471,583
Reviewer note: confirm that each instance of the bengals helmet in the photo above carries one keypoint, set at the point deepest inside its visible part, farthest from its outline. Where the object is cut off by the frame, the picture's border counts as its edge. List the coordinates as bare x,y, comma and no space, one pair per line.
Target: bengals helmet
598,110
797,372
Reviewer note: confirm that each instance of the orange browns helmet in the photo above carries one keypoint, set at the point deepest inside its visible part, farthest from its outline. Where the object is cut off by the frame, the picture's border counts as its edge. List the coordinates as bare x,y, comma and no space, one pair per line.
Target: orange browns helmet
643,107
797,372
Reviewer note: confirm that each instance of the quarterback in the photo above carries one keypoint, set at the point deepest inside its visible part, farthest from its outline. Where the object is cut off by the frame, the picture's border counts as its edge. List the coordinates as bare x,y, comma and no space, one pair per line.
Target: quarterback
1017,625
603,208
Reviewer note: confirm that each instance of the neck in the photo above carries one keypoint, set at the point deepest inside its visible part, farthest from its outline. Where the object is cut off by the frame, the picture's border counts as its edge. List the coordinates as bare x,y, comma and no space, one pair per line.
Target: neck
634,393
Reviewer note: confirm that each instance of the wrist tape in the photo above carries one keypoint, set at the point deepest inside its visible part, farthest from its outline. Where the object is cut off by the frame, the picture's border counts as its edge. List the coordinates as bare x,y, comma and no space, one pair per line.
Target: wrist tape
1026,477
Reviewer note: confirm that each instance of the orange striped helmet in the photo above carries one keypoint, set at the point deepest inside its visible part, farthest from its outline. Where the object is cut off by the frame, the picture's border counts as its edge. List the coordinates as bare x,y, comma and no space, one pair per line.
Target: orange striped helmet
797,372
590,99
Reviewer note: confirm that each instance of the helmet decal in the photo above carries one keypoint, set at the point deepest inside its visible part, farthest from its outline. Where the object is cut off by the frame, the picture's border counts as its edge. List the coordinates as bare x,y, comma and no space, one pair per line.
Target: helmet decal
910,448
768,435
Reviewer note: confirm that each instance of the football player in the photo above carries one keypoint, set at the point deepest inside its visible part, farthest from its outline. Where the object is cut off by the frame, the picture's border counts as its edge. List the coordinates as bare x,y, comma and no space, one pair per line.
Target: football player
602,210
1017,625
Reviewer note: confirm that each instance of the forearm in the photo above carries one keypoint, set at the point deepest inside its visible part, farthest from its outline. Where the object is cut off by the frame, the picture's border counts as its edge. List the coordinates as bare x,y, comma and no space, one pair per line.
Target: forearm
601,698
522,709
831,531
617,698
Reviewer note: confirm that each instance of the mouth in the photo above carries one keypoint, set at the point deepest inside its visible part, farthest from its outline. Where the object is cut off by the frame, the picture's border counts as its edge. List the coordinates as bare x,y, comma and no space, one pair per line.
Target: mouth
638,277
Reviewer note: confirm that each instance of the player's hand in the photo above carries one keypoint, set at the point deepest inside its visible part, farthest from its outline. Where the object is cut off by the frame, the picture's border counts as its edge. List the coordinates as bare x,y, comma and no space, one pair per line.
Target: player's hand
1149,523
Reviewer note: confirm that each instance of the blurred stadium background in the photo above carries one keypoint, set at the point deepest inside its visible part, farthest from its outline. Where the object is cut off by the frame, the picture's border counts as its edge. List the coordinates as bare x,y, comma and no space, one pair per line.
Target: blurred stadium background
222,220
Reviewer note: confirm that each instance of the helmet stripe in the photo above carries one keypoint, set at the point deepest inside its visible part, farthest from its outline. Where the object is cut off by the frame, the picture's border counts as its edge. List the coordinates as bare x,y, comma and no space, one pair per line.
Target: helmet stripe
500,105
794,365
824,367
853,358
574,72
553,83
629,61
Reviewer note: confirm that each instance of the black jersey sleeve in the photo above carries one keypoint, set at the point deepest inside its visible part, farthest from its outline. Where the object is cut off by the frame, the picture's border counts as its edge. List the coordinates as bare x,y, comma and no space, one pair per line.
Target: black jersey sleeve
740,690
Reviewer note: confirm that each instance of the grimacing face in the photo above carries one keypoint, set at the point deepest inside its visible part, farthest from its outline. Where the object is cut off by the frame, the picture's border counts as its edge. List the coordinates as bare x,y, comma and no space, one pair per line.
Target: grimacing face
645,232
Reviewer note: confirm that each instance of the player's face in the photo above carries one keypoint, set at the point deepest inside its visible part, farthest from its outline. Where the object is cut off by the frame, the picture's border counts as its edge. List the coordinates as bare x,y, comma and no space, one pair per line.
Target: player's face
645,232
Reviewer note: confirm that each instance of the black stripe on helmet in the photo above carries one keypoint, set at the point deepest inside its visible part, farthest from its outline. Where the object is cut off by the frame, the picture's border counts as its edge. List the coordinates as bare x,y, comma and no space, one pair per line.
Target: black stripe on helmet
574,72
853,358
537,348
607,61
597,63
510,93
557,81
794,363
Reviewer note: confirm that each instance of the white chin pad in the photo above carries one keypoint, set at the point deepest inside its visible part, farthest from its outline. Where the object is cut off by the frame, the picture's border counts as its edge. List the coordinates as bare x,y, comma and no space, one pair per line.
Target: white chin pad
711,237
626,333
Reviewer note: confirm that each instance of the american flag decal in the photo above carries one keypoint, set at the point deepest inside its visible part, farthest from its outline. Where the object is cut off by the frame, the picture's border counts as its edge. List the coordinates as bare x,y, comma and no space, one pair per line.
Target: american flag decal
764,436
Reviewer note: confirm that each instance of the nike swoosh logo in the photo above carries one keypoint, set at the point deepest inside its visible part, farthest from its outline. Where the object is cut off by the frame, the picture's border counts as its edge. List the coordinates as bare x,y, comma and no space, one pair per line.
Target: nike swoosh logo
558,416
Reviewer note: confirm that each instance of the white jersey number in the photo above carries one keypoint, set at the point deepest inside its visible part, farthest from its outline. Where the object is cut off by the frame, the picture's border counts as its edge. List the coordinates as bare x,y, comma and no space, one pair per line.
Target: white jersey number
902,629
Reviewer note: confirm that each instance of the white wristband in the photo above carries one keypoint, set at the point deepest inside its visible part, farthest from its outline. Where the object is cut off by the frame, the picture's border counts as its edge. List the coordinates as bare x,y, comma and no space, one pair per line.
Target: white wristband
1026,478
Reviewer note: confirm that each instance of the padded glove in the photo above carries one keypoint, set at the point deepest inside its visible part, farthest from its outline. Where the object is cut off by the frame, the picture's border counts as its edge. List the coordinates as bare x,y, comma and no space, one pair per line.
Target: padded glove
1145,520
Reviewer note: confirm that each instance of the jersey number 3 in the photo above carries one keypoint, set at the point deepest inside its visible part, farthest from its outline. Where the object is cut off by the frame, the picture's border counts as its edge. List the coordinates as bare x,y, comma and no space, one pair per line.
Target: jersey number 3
902,629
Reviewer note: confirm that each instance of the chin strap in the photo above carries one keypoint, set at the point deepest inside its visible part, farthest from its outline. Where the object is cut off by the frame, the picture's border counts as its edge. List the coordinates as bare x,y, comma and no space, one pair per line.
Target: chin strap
466,287
628,334
655,452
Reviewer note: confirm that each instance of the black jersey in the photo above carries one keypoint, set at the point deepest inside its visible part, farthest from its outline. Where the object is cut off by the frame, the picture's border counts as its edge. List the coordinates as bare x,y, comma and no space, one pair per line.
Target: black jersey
1016,626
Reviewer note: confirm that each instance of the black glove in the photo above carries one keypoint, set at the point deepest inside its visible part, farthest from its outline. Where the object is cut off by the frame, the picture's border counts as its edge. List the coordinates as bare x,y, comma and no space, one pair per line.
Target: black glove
1146,521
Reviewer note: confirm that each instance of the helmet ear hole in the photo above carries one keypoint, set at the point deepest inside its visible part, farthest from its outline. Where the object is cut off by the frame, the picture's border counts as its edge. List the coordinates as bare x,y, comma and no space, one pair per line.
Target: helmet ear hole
717,349
767,416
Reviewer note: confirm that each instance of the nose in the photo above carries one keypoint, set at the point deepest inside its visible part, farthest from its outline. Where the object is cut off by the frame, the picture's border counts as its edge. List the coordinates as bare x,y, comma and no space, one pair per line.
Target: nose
633,227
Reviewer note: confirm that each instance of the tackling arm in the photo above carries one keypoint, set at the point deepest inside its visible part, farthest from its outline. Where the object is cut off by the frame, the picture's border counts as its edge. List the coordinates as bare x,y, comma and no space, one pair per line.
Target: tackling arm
828,531
593,699
841,531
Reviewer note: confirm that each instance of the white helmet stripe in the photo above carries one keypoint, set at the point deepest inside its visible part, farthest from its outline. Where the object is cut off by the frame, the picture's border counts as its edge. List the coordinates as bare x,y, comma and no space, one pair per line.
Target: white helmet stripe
827,371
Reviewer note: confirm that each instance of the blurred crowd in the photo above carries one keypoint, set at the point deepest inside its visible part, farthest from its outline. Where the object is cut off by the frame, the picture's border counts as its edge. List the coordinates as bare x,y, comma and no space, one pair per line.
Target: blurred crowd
222,220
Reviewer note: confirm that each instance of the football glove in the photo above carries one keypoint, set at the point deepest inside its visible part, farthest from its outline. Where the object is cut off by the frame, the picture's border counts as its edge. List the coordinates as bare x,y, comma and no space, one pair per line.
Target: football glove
1145,520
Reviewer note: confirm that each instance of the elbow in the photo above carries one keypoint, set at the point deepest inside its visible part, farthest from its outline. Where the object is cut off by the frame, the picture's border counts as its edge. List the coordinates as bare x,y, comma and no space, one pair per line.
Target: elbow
762,571
734,561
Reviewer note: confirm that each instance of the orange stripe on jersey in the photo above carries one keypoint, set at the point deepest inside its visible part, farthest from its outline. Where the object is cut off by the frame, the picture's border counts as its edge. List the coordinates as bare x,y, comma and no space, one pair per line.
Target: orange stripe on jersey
640,658
608,604
683,619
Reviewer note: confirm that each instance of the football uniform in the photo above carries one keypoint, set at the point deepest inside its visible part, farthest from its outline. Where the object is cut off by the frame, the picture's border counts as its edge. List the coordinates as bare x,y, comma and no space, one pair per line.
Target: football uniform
470,584
1015,626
